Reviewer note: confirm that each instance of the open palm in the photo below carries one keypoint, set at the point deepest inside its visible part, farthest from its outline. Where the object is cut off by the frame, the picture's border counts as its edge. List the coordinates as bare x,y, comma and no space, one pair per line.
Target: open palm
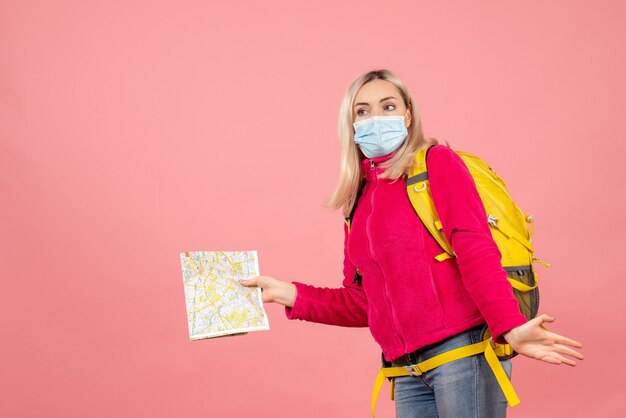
534,340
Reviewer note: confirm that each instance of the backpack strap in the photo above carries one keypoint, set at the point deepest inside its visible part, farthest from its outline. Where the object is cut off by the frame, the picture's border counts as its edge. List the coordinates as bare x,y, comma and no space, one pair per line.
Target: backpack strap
484,347
356,200
358,277
418,190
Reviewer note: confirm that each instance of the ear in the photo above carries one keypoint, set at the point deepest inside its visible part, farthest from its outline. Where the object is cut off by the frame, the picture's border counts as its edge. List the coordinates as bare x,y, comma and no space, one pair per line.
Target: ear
408,117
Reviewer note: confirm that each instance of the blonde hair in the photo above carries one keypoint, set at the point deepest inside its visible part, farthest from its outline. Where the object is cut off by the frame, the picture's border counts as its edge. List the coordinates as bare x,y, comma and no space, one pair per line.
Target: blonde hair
350,173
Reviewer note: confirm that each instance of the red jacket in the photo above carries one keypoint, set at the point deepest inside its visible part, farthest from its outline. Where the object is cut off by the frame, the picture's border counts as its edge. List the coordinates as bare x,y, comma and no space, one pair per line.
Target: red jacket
407,298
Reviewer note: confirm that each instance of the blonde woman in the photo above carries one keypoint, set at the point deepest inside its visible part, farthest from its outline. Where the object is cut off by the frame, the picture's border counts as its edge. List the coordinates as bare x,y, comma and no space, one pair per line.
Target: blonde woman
417,307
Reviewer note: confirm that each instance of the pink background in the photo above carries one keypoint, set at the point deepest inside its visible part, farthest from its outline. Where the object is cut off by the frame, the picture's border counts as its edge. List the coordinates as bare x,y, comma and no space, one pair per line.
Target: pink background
133,130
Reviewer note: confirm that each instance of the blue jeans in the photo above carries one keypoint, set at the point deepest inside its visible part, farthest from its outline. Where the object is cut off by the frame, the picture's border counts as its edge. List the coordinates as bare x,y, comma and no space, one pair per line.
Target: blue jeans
464,388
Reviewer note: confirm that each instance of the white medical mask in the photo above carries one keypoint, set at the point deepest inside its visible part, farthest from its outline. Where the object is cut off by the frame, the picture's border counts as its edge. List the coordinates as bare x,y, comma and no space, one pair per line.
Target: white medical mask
380,135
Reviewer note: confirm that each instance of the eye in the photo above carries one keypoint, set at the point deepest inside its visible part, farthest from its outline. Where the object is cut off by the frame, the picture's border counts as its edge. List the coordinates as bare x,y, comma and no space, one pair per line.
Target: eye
358,112
392,105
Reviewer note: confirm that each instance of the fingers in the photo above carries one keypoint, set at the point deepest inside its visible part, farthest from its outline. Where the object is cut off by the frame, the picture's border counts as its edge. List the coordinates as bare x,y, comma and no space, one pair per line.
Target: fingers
558,338
552,356
555,353
560,359
570,352
566,341
551,360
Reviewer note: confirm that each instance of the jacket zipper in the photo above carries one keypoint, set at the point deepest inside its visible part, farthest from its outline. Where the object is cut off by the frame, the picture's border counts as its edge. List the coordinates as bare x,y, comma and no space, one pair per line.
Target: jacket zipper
393,316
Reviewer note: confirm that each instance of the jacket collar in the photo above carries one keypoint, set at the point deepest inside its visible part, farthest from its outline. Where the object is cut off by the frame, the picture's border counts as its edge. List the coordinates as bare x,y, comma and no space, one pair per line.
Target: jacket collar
370,166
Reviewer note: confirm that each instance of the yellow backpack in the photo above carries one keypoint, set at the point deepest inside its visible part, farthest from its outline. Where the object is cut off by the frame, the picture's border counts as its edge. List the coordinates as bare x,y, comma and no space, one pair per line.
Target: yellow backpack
510,231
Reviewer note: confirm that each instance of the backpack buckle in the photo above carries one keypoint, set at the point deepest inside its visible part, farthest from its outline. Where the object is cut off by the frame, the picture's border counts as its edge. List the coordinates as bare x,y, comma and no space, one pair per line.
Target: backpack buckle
493,221
413,370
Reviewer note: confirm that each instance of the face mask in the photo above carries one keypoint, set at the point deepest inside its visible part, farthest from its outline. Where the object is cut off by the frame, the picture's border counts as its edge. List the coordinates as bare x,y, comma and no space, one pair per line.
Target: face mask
380,135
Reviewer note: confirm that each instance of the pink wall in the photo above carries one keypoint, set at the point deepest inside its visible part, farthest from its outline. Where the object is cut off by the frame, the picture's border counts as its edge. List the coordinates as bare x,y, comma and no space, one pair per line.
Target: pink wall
132,130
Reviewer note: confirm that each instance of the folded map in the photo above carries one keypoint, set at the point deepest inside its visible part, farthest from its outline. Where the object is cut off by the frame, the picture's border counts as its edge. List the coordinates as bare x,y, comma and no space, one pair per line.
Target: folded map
217,304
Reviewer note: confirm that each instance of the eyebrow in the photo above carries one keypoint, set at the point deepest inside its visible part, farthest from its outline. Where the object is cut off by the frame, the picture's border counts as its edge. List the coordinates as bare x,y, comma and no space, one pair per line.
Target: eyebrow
381,100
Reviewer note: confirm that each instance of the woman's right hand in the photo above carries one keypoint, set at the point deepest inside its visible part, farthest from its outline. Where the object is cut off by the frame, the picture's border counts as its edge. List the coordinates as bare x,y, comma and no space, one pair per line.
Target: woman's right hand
273,290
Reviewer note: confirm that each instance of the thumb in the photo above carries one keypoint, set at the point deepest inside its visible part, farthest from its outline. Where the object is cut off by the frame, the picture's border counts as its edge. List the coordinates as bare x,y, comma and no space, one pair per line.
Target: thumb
249,282
546,318
540,319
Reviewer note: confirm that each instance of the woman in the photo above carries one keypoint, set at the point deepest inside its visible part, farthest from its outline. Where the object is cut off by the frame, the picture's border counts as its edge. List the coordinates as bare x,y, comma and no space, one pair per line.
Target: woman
415,306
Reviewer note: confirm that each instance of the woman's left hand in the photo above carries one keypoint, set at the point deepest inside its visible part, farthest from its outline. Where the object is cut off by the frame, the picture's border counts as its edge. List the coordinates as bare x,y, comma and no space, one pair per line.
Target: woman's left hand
533,340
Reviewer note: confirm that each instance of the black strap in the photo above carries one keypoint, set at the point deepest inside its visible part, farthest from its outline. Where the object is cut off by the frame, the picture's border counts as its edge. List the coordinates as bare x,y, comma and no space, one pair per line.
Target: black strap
358,279
356,200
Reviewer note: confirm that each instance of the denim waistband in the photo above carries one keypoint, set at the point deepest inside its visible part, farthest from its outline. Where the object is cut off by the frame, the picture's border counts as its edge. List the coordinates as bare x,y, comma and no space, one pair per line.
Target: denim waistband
461,339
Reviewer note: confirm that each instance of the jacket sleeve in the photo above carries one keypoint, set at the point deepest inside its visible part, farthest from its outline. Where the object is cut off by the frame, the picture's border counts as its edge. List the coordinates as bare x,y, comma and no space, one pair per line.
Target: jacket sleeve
345,306
464,221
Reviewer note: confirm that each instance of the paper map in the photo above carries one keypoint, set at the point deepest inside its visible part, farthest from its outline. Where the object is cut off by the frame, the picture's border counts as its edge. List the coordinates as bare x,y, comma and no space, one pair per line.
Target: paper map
217,305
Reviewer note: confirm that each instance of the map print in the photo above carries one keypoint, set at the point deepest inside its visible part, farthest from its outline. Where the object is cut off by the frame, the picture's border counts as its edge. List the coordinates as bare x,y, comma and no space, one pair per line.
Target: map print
217,305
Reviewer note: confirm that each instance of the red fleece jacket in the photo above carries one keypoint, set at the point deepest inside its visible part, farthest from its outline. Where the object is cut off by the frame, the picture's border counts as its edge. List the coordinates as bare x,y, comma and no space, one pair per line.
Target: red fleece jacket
407,298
